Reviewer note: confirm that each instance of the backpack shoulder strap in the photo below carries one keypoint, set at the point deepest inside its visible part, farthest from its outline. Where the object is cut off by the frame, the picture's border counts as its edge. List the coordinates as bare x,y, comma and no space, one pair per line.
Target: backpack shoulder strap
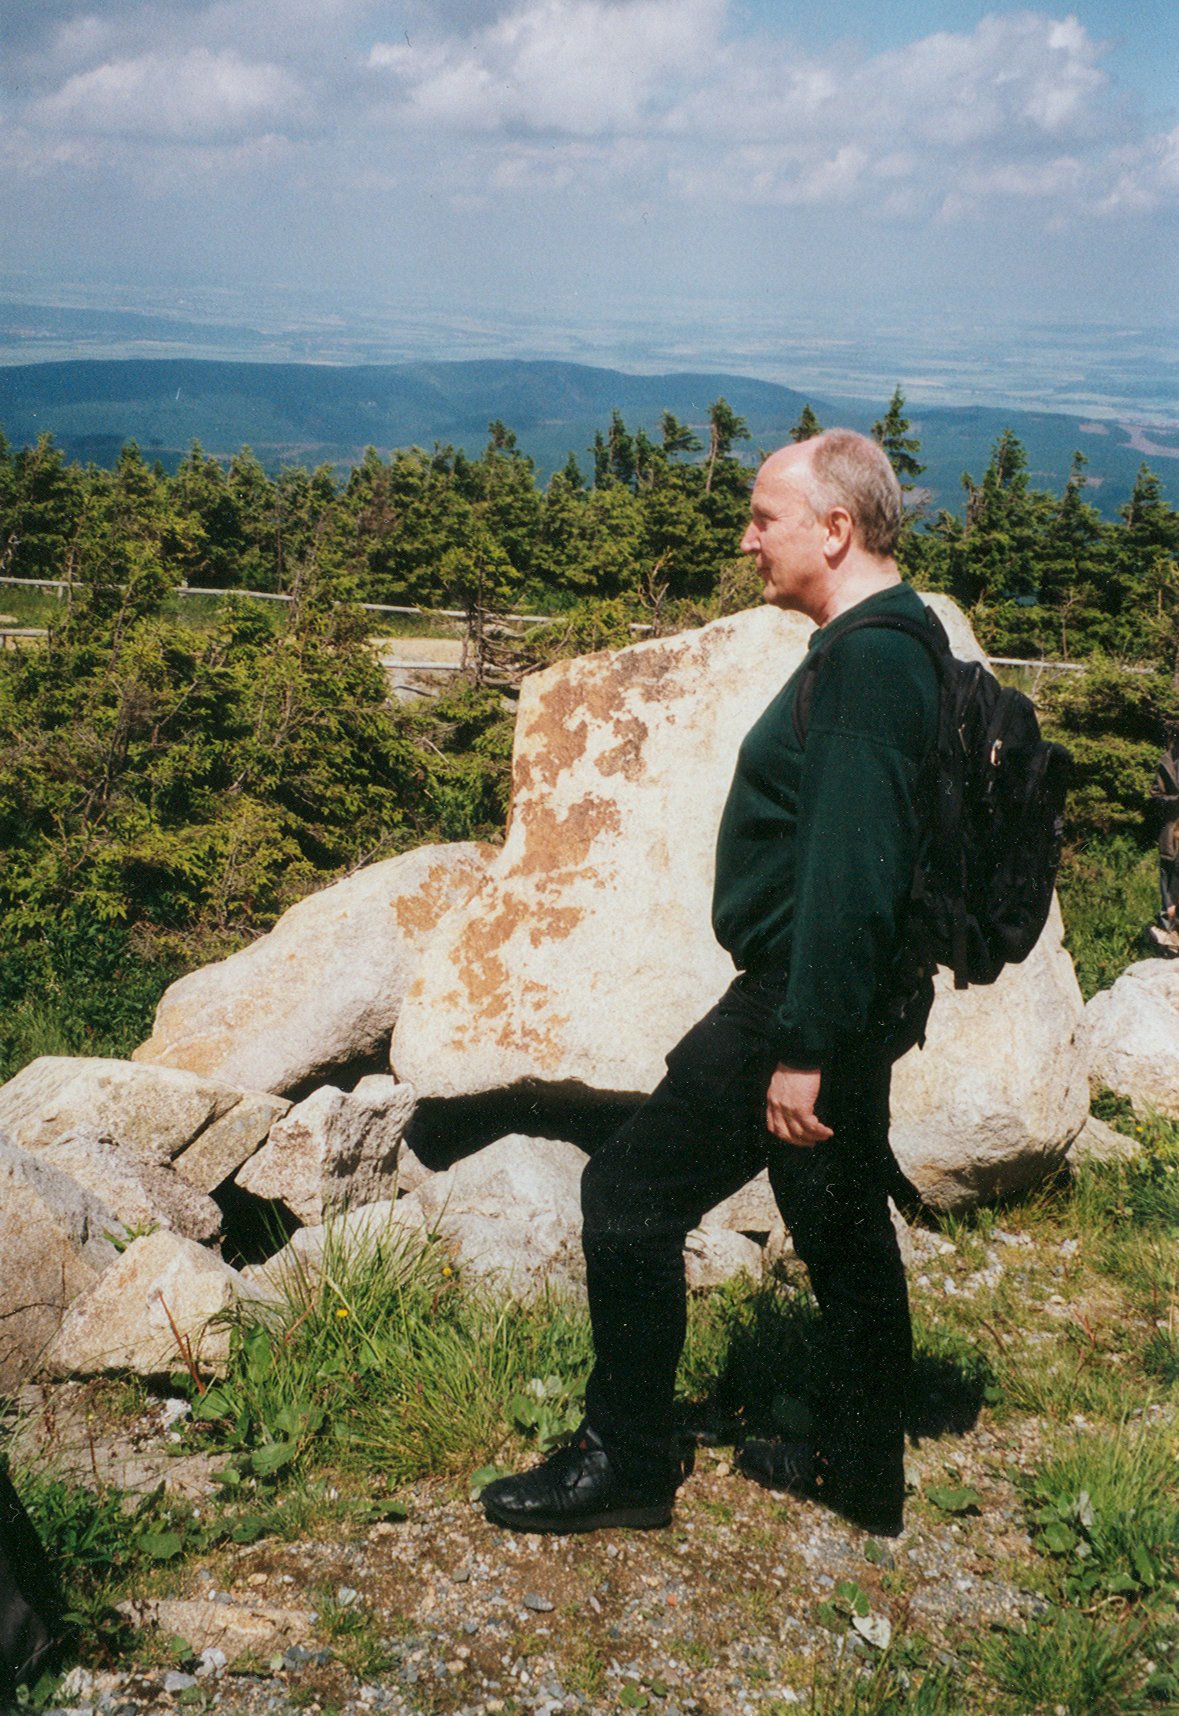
928,631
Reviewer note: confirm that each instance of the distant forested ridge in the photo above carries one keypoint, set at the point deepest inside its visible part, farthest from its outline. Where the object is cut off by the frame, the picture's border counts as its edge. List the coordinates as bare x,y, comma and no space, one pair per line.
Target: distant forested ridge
171,780
316,414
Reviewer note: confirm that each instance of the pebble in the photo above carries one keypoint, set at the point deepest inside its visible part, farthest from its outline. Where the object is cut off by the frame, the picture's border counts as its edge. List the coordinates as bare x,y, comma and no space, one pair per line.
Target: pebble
539,1605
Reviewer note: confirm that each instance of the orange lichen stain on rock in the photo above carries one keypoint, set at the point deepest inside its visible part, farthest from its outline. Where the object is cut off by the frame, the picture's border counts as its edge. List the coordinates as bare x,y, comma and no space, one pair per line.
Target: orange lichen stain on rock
543,1041
553,923
553,842
444,886
626,758
555,734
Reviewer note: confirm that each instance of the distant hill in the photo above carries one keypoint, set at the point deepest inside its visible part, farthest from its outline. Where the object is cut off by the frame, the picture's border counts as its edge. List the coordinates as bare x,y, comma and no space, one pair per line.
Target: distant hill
314,414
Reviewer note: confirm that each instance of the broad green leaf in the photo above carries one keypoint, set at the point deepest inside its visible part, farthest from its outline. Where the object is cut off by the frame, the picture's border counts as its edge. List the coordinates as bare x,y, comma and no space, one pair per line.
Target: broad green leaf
953,1498
850,1593
160,1545
1056,1539
484,1476
272,1457
249,1528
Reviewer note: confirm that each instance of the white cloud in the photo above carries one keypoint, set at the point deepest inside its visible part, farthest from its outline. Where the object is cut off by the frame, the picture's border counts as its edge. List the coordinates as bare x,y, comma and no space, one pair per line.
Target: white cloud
1146,177
197,95
579,67
642,100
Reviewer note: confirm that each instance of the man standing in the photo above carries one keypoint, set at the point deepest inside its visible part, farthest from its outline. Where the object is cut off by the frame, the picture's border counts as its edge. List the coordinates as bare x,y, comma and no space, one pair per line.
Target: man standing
815,856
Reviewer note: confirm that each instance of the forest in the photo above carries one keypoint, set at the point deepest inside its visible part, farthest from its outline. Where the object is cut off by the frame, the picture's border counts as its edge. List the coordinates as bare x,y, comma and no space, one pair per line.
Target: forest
175,773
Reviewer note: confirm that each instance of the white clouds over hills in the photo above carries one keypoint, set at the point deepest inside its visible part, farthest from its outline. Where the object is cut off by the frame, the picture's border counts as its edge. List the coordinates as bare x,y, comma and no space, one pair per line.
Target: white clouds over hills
1018,107
375,118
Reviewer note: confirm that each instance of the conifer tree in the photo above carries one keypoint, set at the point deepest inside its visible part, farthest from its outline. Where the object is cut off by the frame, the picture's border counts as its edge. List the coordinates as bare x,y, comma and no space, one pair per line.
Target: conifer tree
892,432
807,427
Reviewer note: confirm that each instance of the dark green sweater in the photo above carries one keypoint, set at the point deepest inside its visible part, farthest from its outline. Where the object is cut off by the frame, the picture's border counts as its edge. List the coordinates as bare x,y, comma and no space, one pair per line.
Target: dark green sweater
816,847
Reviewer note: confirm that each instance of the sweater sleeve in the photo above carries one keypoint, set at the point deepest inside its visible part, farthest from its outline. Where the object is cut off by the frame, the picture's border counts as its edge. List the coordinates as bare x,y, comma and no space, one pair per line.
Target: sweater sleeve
873,718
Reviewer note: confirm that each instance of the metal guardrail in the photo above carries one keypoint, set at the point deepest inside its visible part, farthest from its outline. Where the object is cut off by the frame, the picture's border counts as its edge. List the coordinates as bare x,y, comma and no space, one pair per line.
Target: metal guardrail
61,584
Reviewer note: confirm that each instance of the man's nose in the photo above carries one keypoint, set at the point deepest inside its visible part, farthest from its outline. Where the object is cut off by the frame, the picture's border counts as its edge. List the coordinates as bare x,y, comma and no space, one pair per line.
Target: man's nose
749,540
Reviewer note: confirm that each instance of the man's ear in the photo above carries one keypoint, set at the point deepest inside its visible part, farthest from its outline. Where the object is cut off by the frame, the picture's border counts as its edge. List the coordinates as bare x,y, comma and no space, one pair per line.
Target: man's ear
840,530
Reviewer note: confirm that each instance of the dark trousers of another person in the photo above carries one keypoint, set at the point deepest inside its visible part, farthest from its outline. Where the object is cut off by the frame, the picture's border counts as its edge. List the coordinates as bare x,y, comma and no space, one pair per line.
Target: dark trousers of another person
698,1138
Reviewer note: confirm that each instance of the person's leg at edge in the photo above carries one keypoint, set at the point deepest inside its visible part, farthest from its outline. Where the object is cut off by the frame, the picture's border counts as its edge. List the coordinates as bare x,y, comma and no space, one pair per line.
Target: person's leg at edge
834,1199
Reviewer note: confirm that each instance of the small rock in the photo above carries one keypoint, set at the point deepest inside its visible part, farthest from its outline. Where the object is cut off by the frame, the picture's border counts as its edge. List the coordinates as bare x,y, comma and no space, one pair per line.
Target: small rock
539,1605
346,1595
212,1662
174,1681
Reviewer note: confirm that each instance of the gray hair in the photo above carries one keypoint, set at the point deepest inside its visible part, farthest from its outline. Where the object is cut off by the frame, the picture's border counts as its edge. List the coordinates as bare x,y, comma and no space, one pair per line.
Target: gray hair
853,471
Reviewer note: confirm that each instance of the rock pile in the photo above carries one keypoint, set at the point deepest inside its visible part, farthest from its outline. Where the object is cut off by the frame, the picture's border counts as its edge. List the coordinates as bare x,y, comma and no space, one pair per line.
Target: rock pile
524,991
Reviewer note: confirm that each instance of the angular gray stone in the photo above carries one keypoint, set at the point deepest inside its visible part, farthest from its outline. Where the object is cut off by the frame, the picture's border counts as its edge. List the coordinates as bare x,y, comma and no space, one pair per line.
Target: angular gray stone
52,1247
256,1630
161,1296
1133,1036
142,1192
333,1150
324,988
750,1210
154,1109
222,1147
716,1254
396,1228
511,1211
1097,1142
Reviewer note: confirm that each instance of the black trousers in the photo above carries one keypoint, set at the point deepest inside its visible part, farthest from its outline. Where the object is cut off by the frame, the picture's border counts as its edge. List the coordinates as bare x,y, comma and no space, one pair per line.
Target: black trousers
698,1138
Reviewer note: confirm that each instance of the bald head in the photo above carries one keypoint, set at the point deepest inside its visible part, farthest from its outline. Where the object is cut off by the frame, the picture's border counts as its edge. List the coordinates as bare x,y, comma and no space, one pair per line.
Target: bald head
842,469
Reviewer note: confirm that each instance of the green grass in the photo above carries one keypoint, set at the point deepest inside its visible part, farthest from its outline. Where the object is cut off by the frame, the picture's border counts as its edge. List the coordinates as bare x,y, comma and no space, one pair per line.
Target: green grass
1104,1512
382,1361
1066,1662
1108,894
887,1689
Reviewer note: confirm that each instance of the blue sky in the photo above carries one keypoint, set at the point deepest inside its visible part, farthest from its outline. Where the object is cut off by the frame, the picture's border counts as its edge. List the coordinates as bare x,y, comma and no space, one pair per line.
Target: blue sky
835,165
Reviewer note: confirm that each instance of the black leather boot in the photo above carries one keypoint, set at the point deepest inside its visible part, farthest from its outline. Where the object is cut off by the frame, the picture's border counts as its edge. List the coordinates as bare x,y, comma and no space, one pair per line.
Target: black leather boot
575,1490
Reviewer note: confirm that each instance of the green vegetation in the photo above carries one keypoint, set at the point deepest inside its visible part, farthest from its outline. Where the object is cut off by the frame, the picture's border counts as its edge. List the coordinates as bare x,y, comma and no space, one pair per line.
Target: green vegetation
176,773
383,1369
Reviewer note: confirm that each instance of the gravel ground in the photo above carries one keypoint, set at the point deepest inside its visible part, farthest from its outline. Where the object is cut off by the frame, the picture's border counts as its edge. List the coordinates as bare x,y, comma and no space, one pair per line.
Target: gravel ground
444,1613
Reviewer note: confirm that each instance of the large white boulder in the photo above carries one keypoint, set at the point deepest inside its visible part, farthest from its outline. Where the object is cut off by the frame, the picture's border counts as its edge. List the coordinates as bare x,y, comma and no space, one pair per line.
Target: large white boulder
324,988
1001,1088
333,1150
53,1246
154,1110
156,1308
587,951
1133,1032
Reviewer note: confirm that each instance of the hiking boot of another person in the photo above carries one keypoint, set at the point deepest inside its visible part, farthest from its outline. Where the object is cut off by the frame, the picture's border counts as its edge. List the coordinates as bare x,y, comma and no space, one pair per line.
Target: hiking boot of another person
792,1467
1164,941
575,1489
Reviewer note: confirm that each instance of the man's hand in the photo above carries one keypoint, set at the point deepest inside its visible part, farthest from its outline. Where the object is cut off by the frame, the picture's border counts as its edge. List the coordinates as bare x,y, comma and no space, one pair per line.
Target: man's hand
790,1106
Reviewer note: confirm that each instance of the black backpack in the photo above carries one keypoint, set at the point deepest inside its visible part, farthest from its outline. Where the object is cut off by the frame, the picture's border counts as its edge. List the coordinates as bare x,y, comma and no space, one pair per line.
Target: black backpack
994,792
